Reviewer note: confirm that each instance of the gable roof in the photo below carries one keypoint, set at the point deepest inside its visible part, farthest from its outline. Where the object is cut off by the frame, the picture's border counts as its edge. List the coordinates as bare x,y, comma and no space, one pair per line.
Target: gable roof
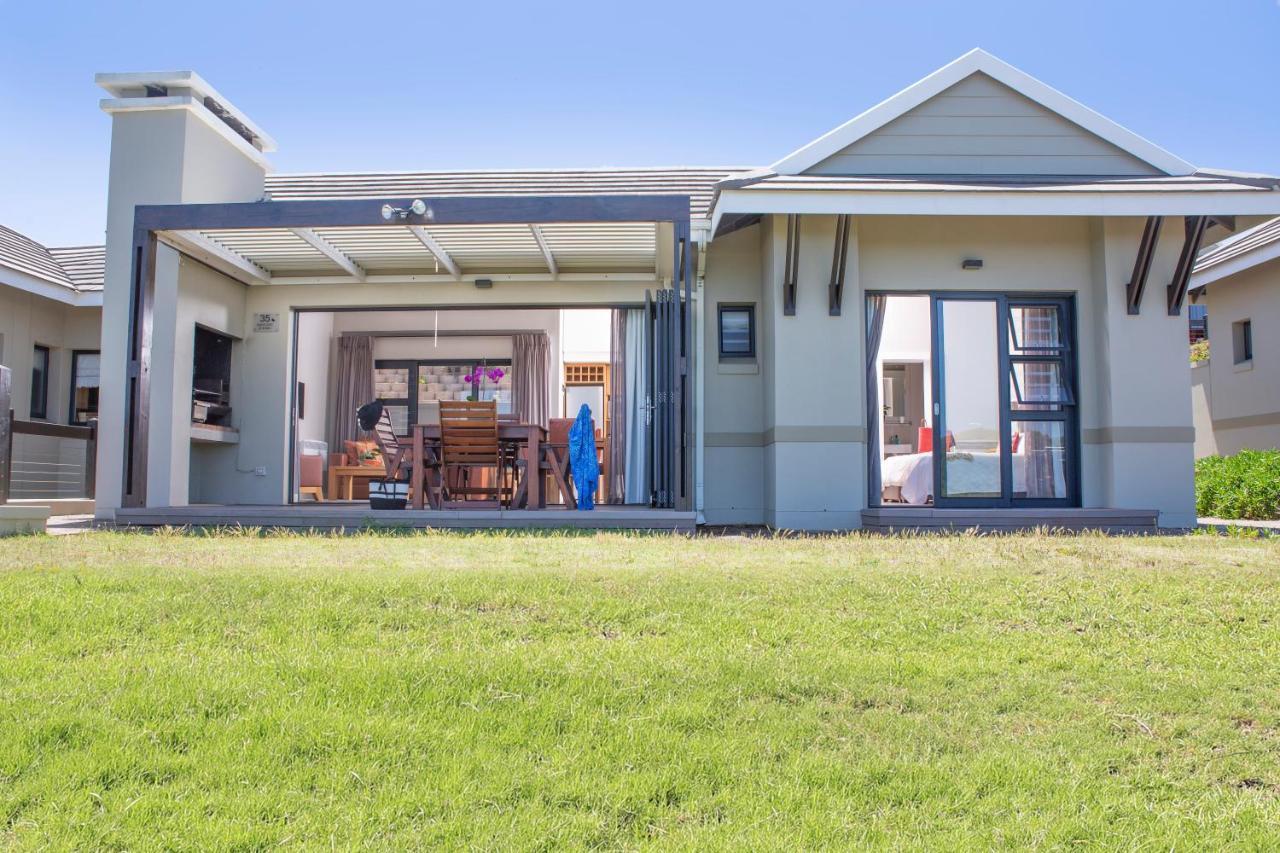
978,61
64,274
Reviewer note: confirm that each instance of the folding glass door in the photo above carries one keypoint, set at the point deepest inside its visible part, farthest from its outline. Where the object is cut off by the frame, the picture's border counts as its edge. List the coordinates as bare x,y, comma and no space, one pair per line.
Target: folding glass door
1004,401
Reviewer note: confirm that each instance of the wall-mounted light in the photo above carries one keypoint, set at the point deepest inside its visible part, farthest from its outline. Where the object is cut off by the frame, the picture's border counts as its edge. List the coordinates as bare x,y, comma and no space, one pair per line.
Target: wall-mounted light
418,208
484,283
971,264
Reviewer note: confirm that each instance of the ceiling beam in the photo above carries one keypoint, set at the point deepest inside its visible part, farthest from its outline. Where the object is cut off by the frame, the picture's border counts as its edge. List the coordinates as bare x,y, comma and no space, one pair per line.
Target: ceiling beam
331,252
425,238
552,267
216,255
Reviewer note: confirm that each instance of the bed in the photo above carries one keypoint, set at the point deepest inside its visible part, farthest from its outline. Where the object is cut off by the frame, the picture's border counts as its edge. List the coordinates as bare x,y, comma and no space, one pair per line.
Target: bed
909,477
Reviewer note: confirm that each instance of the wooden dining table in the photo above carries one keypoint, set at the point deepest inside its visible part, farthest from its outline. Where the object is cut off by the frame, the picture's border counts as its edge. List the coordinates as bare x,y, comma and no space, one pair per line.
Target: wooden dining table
532,437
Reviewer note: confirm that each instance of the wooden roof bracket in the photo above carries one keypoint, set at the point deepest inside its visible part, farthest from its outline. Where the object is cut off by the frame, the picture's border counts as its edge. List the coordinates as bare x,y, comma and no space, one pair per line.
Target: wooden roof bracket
1142,264
835,290
791,265
1194,227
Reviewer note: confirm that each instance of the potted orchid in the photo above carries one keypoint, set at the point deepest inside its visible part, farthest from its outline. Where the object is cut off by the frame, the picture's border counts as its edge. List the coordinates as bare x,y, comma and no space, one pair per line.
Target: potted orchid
477,378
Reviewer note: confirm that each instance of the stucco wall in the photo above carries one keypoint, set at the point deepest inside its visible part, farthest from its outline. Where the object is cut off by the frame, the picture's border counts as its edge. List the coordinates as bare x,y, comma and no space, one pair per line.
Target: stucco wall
1241,401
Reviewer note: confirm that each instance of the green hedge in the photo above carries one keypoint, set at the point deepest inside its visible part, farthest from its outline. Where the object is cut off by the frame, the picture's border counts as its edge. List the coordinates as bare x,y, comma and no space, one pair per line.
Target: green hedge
1246,485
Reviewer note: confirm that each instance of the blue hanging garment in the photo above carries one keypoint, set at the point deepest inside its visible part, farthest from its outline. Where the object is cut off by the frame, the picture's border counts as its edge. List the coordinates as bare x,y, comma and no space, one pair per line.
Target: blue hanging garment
584,467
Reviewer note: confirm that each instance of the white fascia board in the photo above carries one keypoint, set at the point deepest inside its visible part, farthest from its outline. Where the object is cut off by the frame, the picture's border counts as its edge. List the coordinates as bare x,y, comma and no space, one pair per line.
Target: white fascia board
121,84
979,61
470,278
1240,263
27,283
196,108
997,203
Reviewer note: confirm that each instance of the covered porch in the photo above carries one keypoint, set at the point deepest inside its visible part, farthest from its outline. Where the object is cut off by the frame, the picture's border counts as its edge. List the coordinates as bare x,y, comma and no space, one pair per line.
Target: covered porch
400,276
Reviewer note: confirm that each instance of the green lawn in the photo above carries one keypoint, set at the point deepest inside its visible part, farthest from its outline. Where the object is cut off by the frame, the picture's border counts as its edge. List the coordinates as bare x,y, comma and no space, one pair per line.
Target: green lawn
612,691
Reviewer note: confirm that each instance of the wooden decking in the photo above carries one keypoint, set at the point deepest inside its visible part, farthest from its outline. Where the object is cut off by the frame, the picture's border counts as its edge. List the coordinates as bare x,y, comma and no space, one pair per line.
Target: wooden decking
357,516
891,519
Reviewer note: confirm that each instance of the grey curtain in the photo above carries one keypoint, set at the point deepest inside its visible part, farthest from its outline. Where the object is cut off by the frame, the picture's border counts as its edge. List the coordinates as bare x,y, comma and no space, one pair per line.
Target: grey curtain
875,328
353,387
636,481
531,377
616,487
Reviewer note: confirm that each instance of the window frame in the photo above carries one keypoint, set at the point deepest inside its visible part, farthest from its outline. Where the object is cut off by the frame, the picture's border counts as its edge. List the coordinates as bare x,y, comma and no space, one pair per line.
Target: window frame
43,386
1242,341
725,307
414,364
71,394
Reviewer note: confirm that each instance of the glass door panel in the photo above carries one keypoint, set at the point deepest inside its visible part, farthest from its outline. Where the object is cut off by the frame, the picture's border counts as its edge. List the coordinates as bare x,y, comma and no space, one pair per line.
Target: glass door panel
1039,459
968,341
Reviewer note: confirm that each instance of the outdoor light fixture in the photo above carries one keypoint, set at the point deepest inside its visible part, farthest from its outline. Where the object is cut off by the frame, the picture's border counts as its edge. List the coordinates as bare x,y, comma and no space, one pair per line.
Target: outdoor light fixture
418,208
971,264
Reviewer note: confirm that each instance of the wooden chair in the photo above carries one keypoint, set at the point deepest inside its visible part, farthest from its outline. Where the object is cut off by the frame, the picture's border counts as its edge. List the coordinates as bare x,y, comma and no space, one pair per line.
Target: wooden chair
469,447
558,449
397,458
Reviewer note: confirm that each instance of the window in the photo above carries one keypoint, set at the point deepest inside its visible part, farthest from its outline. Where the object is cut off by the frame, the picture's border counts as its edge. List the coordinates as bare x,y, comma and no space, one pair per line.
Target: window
1242,341
737,331
435,380
40,383
84,386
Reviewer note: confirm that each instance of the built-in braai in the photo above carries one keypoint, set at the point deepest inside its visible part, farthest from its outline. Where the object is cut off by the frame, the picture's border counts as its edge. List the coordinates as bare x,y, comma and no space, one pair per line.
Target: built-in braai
211,378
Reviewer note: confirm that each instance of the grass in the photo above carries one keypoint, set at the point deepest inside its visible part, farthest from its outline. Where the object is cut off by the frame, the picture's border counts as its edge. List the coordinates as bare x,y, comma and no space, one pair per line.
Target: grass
526,692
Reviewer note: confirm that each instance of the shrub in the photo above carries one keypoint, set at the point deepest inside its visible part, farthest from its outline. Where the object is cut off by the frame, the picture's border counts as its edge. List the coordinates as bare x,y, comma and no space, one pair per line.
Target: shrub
1246,485
1200,352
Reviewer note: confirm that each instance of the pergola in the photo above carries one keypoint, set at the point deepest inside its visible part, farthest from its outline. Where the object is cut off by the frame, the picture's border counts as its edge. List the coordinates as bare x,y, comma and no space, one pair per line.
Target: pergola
509,238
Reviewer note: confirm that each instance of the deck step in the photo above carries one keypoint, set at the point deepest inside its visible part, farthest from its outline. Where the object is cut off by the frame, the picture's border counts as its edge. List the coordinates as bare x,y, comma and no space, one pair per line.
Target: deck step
1010,520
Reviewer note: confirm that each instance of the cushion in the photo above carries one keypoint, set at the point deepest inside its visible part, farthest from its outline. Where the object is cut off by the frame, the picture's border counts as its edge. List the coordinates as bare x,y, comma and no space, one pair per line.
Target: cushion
362,452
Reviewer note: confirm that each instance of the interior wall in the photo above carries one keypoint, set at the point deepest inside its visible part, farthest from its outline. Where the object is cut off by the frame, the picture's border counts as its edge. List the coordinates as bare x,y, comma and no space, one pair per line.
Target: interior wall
315,361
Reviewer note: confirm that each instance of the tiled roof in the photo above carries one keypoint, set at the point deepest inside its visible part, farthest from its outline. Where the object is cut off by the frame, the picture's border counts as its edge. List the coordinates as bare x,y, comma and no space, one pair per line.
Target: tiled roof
696,182
78,268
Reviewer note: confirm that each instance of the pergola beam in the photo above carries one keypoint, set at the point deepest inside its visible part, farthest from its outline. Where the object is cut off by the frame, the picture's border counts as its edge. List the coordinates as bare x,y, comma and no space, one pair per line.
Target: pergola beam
552,267
434,247
331,252
216,255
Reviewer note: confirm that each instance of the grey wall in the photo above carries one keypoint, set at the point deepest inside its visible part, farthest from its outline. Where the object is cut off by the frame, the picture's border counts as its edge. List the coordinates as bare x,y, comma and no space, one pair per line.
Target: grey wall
982,127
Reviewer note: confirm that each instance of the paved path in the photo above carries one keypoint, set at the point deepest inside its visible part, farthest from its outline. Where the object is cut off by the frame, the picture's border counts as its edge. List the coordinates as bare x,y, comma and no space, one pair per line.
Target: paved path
1270,527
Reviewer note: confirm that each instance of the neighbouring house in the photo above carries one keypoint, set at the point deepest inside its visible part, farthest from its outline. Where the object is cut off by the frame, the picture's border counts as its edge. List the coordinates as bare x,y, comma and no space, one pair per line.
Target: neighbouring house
1236,391
964,305
50,333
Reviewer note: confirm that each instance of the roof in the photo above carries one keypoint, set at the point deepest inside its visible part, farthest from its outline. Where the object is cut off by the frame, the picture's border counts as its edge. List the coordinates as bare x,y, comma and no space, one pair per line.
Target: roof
57,272
698,183
1238,252
978,61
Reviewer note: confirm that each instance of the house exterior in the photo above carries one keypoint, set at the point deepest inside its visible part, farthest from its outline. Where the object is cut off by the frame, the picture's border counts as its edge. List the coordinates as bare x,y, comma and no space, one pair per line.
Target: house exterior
1049,250
50,332
1236,392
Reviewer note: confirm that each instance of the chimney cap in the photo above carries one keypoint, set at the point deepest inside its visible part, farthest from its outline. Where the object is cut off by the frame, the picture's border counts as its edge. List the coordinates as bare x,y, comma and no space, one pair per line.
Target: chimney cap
131,89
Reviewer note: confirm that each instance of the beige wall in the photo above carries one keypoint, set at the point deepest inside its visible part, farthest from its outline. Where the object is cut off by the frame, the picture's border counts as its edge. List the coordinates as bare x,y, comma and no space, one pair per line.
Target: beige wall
1135,412
1238,405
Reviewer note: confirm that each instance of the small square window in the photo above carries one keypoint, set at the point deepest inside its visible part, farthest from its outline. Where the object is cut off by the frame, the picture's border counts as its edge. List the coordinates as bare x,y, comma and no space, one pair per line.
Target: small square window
737,331
1242,341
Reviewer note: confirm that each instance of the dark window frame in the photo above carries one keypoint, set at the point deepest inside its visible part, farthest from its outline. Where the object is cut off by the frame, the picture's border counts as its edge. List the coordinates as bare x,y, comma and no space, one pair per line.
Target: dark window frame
71,394
1242,341
721,309
413,365
41,412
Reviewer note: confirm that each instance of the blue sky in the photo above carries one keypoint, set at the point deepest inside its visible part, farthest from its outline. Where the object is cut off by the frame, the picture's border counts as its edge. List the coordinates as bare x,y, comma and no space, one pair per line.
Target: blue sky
431,85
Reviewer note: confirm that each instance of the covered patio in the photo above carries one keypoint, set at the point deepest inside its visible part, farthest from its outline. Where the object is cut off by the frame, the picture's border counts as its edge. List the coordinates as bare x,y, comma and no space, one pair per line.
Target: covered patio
402,257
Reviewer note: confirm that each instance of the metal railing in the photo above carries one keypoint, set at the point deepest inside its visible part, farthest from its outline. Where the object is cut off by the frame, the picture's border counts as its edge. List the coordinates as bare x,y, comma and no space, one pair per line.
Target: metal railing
50,469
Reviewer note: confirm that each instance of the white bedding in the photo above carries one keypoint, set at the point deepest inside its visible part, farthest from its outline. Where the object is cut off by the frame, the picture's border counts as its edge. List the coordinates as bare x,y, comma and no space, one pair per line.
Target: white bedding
913,473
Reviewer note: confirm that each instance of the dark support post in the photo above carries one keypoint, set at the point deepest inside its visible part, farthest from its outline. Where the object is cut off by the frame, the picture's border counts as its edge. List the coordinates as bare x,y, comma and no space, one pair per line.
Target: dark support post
1194,227
1142,264
91,460
6,431
138,382
835,290
791,265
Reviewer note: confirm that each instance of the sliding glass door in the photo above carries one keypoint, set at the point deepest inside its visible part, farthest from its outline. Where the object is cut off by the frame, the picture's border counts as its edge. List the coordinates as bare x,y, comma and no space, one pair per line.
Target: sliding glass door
1004,408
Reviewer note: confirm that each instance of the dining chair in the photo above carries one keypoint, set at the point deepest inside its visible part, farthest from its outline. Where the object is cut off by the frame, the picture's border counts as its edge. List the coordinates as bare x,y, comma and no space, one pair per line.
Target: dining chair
469,447
397,457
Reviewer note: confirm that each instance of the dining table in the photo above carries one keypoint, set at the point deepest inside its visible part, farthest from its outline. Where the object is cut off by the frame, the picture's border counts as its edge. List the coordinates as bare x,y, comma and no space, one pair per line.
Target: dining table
532,439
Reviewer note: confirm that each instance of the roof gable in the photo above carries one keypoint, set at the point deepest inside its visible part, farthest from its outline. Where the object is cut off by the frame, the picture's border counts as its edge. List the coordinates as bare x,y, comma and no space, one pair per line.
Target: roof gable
980,115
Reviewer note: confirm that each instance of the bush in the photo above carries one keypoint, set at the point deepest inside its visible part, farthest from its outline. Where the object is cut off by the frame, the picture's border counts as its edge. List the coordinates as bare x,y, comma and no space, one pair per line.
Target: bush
1200,352
1246,485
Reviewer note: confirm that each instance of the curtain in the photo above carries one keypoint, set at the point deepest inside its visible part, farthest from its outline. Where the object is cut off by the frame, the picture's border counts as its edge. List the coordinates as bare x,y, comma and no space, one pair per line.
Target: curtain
616,487
354,386
531,377
875,327
635,361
